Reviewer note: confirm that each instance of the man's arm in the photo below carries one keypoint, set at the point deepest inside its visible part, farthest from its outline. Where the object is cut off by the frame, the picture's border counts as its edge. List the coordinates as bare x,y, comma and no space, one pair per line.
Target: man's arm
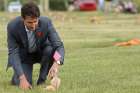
59,50
56,43
14,59
13,50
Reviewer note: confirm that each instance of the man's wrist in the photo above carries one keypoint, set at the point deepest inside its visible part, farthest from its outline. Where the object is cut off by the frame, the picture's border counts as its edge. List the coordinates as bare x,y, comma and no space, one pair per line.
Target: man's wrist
58,62
22,77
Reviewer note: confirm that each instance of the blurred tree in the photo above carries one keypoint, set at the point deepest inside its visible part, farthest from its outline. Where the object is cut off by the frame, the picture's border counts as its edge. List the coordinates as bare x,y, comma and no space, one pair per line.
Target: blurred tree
137,2
60,5
1,5
44,5
25,1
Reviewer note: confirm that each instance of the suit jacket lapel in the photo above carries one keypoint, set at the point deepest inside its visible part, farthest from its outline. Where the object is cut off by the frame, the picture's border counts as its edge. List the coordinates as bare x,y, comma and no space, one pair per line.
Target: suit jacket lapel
36,35
23,34
38,32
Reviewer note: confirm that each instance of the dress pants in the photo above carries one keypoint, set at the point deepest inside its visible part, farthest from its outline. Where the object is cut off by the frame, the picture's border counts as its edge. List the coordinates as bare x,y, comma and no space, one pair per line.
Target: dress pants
45,60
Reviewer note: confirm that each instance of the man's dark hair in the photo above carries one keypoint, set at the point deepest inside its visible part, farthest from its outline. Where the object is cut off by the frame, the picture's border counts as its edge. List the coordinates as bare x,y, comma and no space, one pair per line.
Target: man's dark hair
30,9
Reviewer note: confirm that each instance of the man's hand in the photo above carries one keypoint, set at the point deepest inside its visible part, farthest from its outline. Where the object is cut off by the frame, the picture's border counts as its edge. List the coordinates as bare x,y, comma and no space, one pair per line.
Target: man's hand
24,84
53,70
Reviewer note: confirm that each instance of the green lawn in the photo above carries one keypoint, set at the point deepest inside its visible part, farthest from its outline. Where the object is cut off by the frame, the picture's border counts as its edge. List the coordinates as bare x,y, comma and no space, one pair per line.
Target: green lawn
92,63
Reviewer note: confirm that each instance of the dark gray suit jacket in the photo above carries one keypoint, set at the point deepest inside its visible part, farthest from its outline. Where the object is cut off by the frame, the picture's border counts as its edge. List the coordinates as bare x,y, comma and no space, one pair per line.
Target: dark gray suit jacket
18,43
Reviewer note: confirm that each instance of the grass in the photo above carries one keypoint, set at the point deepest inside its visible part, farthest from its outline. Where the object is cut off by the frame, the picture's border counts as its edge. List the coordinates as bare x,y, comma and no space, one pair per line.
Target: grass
92,63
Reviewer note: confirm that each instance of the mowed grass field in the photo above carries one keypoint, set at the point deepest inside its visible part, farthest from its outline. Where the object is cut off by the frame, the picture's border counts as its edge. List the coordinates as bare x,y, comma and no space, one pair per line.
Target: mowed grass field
92,63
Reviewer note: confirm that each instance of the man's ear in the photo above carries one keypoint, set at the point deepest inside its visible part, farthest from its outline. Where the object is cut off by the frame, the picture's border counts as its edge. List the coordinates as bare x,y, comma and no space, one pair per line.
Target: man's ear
23,19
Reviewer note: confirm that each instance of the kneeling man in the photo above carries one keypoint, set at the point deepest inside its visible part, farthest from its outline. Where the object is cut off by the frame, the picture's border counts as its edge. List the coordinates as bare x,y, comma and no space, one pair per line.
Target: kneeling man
33,39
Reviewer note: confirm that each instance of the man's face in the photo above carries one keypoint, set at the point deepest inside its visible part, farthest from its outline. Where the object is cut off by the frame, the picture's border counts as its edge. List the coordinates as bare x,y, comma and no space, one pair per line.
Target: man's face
31,22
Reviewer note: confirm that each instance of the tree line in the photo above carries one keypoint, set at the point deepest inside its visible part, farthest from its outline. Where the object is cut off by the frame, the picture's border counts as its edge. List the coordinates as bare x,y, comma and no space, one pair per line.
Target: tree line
4,3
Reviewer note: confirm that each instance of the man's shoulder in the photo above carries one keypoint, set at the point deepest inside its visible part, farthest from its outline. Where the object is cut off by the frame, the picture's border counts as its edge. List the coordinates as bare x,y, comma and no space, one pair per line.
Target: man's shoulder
15,21
44,19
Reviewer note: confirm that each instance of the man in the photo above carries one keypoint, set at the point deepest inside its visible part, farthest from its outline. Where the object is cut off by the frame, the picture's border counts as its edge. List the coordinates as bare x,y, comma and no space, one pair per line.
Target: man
33,39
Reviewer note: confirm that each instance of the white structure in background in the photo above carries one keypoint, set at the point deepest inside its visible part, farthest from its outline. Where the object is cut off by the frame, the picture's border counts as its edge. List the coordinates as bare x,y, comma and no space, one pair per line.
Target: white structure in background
101,5
14,6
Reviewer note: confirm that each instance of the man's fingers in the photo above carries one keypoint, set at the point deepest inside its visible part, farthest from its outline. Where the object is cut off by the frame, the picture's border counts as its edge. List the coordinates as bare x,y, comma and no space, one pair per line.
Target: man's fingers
30,87
51,73
25,86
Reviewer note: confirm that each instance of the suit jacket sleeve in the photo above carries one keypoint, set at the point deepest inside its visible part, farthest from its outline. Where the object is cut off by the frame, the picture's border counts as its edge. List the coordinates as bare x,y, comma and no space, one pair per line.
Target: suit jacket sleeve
56,41
13,49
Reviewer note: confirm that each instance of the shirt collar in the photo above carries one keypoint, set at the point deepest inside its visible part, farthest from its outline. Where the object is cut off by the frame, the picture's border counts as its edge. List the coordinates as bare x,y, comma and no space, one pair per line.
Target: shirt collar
27,30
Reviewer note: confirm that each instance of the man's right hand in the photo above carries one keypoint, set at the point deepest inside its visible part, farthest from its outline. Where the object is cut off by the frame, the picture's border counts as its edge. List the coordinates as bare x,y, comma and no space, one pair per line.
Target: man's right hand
24,84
